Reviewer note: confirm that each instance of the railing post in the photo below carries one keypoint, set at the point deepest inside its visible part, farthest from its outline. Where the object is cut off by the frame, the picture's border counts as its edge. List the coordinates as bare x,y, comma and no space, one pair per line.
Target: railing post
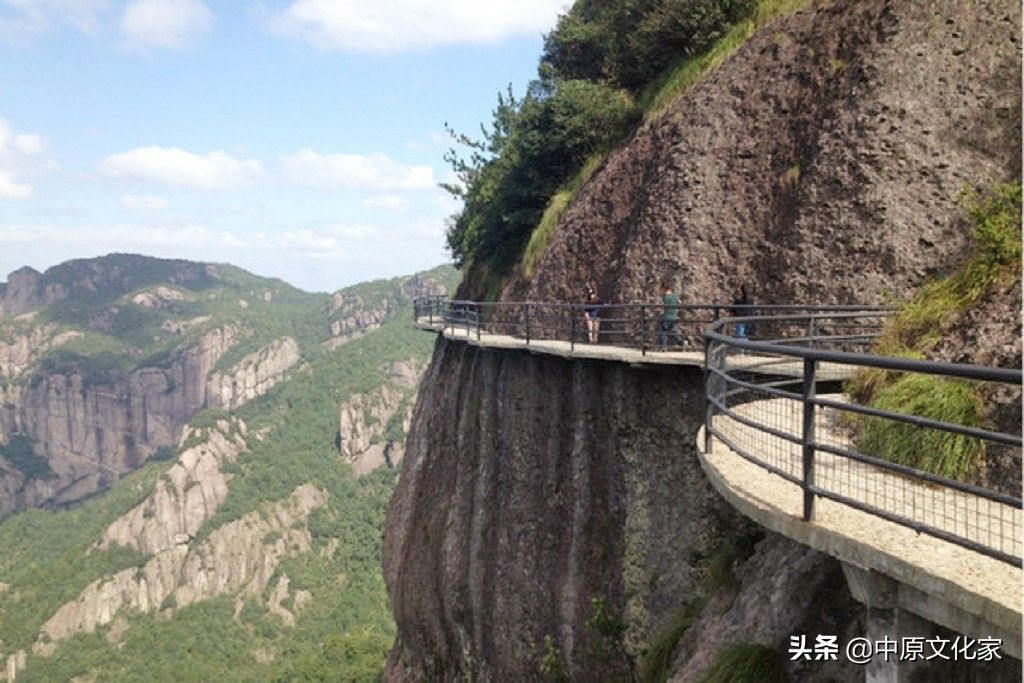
812,331
572,327
643,329
709,390
526,320
807,438
479,308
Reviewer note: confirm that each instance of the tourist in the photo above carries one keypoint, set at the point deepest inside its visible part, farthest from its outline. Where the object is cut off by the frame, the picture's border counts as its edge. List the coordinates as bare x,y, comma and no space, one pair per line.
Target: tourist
742,308
592,315
669,319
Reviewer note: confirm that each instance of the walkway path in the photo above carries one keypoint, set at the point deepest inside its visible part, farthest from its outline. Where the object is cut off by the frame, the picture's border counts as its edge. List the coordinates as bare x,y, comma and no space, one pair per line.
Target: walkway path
623,354
958,587
942,582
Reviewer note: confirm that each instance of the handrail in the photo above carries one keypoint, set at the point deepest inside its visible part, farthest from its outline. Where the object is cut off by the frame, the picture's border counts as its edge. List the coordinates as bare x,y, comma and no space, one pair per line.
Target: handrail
795,342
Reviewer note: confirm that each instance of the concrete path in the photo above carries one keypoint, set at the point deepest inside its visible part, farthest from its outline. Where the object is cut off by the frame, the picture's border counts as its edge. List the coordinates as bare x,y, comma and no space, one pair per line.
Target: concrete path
960,588
631,356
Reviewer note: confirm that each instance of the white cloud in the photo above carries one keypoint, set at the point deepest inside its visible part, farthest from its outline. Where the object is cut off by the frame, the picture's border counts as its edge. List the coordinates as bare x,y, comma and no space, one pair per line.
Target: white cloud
21,19
374,171
400,25
138,203
121,237
18,152
177,167
164,23
386,202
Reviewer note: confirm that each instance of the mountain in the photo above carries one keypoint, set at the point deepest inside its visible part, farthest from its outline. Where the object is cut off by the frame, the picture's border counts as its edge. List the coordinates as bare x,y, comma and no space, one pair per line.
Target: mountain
180,445
553,521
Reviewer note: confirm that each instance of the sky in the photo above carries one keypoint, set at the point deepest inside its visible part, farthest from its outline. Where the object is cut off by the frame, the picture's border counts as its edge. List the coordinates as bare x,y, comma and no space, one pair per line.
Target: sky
300,139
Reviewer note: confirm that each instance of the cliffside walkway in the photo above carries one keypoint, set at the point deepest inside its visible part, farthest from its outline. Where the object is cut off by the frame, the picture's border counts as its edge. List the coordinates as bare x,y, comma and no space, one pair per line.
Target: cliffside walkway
913,544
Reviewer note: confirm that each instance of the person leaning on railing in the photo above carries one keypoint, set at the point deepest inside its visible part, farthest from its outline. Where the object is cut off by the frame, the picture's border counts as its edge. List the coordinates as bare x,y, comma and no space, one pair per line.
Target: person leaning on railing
669,322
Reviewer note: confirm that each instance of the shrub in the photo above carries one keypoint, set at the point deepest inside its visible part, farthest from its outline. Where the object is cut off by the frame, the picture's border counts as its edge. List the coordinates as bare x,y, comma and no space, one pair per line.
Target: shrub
953,401
654,665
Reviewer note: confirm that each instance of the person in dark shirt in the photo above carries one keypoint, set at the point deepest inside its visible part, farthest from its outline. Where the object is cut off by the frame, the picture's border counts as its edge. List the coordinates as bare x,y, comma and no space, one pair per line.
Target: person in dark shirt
742,308
592,315
668,331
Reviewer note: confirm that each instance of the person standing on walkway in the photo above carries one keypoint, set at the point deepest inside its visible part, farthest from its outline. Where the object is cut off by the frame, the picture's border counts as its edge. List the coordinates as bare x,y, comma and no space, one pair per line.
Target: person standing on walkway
742,308
592,315
669,319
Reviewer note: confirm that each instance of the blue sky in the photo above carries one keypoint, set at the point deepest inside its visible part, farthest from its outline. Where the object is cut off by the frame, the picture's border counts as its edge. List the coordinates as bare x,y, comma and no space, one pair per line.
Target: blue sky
296,138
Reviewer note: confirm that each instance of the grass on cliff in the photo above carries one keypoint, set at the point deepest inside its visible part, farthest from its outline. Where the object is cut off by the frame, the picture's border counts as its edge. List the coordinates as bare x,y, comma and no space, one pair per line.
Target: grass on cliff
920,324
680,77
746,663
948,400
18,451
652,100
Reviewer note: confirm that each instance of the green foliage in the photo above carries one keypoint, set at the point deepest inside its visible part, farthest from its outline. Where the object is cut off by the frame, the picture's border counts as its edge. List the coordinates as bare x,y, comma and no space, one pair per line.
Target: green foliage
947,400
922,321
746,663
550,664
654,666
535,145
603,65
46,559
628,43
605,629
18,451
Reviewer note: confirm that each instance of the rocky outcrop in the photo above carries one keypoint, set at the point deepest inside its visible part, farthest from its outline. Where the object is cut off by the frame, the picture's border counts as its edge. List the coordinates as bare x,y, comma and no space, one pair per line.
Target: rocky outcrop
239,556
185,497
363,420
533,486
19,350
92,434
253,375
27,289
158,297
823,162
353,315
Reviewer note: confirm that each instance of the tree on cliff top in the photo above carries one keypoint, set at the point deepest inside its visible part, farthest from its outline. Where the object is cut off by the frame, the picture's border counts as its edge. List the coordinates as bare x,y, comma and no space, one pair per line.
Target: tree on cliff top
601,53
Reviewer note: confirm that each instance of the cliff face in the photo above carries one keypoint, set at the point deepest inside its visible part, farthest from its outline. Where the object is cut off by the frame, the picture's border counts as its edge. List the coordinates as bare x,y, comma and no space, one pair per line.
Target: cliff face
369,423
93,434
533,487
252,376
822,162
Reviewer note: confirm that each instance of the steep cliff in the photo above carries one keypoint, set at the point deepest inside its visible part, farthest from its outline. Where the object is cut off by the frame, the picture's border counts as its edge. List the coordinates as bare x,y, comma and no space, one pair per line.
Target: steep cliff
246,548
118,353
551,520
371,426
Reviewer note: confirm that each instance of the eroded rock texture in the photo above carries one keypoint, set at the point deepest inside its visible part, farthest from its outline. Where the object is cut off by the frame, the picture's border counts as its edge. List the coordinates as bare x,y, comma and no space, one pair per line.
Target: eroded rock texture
531,487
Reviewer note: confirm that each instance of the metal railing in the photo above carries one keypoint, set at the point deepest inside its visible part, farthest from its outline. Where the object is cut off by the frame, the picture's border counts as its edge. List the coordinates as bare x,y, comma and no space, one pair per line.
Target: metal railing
642,326
764,403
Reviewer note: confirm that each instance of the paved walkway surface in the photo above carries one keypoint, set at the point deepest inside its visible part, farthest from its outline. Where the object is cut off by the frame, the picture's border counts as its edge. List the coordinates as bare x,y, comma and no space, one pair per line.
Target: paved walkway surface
631,356
974,583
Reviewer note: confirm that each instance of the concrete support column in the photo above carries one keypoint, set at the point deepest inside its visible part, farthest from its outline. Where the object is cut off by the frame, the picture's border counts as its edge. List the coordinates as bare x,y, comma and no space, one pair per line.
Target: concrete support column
885,619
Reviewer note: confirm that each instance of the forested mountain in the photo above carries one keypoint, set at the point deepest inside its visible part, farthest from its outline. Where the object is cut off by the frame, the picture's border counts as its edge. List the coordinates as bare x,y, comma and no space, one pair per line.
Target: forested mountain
187,435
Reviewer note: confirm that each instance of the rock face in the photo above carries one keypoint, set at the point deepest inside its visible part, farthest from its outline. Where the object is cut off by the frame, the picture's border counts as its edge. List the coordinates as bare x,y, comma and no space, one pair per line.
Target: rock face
93,434
17,352
185,497
241,555
822,162
364,418
531,487
252,376
27,289
352,315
